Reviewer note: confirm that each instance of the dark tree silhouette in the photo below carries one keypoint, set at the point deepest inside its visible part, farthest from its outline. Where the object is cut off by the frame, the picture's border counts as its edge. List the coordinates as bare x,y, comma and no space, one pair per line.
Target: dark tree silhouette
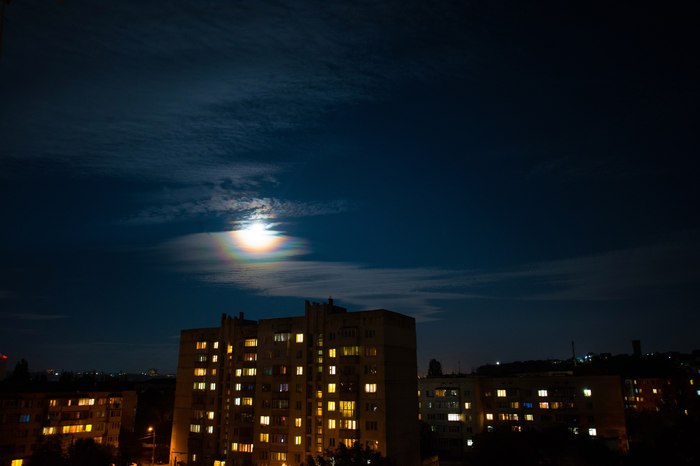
434,368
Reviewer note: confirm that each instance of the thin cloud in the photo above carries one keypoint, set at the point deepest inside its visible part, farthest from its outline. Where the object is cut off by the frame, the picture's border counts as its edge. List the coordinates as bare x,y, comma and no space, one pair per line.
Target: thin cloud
615,275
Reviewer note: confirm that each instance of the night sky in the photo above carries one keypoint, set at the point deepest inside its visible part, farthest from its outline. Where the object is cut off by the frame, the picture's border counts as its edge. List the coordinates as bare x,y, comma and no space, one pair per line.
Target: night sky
516,175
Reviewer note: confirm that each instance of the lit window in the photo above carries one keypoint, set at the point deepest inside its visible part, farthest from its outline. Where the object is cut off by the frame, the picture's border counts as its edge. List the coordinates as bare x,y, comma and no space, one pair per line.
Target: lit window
350,424
331,406
654,391
467,405
370,388
210,415
210,429
249,371
331,388
86,402
300,370
300,339
214,358
212,386
201,345
237,401
265,420
544,405
587,392
229,349
331,353
541,392
200,386
331,370
237,387
529,417
24,418
470,442
247,401
331,423
48,431
250,342
53,403
592,431
319,394
453,417
489,416
281,336
297,422
297,440
18,462
216,345
501,393
264,437
196,428
347,408
284,387
200,372
278,456
239,372
250,356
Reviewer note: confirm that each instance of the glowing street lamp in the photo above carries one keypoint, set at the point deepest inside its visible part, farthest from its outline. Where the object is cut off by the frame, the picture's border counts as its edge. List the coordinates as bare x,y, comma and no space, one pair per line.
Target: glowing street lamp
152,430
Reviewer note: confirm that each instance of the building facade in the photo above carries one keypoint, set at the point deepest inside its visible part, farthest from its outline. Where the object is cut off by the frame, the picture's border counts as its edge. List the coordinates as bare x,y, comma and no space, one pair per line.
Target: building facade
29,418
458,408
278,391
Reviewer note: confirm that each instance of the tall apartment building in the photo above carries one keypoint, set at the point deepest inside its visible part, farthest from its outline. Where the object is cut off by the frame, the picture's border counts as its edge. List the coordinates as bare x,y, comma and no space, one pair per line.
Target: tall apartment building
28,418
458,408
277,391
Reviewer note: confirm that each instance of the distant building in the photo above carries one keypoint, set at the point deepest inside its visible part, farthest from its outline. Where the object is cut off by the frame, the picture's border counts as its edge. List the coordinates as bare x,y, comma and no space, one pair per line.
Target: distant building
277,391
458,408
28,418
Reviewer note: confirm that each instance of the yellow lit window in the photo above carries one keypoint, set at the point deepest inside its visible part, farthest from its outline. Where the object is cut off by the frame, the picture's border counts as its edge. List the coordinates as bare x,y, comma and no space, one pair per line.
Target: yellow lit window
200,372
250,356
215,358
229,349
347,408
264,437
297,440
265,420
210,415
237,387
501,393
319,394
331,388
529,417
53,403
247,401
587,392
297,422
212,371
18,462
542,393
201,345
239,372
200,386
250,342
331,406
300,370
86,401
331,423
370,388
331,354
467,405
300,339
489,416
195,428
249,371
351,350
544,405
278,456
48,431
212,386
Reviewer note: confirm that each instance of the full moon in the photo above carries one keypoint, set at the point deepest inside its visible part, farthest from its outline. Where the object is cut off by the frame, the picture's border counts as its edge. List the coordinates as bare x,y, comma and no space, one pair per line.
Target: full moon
256,238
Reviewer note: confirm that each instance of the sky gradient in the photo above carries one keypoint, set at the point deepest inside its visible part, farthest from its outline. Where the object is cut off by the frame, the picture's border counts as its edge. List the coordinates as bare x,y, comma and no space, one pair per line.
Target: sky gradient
515,176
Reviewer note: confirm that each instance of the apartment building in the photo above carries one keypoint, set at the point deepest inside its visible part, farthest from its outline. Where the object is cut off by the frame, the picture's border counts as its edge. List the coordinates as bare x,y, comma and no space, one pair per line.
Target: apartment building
458,408
28,418
278,391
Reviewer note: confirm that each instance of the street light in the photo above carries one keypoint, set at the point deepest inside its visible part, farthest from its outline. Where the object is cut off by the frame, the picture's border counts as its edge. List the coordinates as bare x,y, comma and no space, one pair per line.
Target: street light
152,430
